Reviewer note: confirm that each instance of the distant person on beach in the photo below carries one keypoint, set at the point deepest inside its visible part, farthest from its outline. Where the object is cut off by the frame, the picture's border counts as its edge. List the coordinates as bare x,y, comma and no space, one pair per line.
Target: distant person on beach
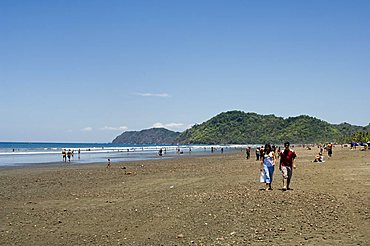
160,152
108,164
319,158
274,149
366,147
64,154
248,152
268,165
262,151
286,165
222,150
79,152
257,154
329,148
278,153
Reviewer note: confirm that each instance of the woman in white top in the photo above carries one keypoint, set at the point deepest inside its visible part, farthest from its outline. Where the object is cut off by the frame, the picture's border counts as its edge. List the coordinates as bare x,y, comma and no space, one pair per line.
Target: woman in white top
268,165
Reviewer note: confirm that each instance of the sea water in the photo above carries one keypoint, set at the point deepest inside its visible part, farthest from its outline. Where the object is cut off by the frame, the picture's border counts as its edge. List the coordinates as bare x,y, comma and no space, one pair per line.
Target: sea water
23,153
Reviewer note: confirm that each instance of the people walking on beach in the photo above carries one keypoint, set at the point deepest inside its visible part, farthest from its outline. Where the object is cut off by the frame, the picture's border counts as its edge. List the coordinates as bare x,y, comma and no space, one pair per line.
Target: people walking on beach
287,164
108,164
64,154
268,165
79,152
257,154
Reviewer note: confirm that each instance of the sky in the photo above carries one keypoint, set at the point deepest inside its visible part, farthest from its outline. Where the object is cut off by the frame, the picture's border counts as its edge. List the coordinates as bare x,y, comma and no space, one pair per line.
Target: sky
85,71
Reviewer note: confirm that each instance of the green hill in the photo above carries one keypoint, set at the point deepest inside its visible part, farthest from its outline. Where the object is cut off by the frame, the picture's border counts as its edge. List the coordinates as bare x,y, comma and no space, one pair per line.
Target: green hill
237,127
147,136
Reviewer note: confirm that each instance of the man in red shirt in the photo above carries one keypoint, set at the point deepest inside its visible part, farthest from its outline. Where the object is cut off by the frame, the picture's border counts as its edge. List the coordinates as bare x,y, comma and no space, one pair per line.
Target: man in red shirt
286,166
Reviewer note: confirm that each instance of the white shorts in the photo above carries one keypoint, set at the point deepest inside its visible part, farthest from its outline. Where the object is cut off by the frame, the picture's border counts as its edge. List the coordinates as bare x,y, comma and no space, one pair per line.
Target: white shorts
286,172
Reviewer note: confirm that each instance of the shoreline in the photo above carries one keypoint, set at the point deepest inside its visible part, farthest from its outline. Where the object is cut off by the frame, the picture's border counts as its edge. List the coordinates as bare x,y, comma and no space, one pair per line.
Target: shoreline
97,163
31,156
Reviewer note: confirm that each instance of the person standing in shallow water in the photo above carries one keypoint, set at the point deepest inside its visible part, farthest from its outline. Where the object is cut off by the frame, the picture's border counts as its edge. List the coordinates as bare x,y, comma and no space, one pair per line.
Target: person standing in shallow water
64,154
69,153
287,164
268,165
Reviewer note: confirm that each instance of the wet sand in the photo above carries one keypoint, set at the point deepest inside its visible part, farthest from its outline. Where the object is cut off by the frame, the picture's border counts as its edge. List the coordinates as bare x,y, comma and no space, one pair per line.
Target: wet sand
209,200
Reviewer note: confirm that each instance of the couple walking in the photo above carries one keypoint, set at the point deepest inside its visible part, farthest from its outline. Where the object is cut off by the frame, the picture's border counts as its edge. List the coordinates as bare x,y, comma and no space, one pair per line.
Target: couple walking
286,165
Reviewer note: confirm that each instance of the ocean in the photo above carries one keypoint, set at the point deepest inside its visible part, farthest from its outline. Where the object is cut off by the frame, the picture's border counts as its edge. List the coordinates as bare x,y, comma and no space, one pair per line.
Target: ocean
25,154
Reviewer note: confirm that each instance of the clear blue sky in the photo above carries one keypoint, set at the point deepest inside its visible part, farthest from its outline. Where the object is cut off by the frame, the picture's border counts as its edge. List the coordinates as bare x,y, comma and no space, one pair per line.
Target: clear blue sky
85,71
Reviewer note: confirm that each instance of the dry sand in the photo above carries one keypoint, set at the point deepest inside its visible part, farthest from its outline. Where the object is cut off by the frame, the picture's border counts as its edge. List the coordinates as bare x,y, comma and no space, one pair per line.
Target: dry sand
213,200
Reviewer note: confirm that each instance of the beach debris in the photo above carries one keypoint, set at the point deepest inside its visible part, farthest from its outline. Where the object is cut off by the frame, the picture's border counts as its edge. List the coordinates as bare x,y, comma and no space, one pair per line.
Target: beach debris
127,173
30,202
180,235
171,187
232,233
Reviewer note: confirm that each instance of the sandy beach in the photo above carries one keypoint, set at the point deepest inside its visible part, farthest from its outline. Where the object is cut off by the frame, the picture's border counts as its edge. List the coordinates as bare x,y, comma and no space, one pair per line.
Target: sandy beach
209,200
